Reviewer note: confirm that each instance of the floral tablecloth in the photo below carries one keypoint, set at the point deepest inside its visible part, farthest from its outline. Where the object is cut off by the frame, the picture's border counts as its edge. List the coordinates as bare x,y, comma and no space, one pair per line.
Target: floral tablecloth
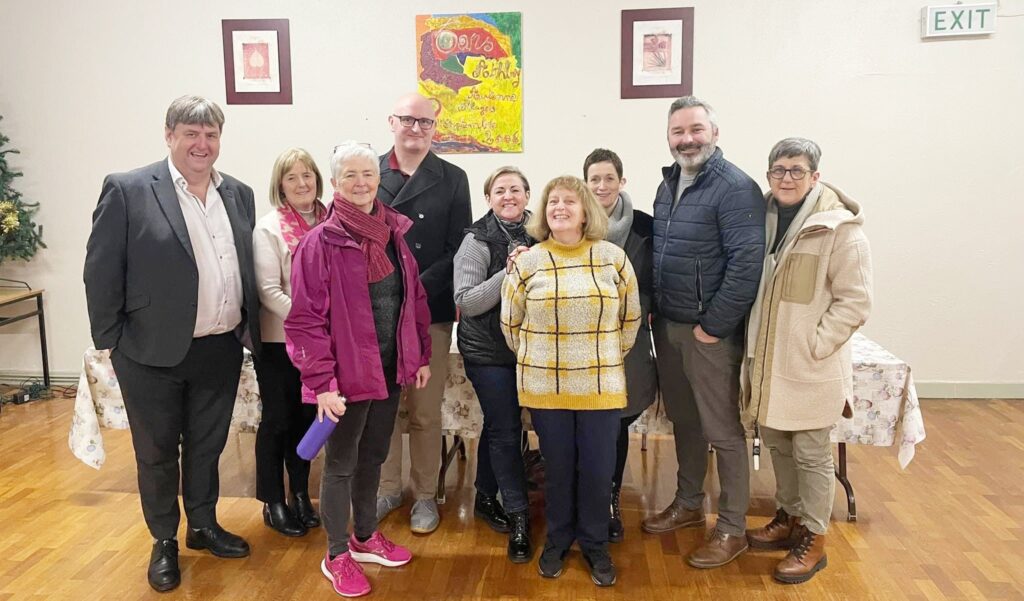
99,404
885,405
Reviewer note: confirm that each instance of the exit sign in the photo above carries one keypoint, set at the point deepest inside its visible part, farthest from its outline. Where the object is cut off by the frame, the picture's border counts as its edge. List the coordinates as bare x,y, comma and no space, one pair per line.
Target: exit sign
958,19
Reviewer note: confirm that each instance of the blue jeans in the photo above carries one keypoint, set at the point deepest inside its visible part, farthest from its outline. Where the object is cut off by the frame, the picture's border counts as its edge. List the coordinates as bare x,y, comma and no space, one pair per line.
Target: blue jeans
579,462
499,460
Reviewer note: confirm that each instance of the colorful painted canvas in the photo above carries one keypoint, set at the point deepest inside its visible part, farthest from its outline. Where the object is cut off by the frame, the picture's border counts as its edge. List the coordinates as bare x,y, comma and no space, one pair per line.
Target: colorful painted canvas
471,66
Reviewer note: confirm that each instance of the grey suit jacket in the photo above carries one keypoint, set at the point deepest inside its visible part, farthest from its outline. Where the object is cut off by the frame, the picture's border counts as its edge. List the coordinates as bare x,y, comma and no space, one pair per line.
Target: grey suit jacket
141,279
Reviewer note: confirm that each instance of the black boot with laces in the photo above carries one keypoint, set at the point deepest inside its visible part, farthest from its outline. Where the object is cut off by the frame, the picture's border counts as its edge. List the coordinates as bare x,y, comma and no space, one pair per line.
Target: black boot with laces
519,547
615,529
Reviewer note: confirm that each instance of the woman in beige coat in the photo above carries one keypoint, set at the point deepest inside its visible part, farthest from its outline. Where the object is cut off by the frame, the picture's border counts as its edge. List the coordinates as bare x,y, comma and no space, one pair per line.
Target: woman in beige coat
815,292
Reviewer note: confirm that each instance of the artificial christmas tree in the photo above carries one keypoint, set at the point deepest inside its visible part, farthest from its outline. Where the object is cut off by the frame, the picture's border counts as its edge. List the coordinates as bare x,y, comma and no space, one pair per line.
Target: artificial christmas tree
20,237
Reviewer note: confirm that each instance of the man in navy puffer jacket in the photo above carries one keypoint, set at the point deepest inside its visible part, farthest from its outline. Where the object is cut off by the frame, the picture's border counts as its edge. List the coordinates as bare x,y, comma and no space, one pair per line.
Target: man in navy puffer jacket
708,254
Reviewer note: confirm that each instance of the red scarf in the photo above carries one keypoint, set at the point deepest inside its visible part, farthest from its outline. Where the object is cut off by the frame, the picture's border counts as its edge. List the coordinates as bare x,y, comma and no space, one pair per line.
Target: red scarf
370,231
294,227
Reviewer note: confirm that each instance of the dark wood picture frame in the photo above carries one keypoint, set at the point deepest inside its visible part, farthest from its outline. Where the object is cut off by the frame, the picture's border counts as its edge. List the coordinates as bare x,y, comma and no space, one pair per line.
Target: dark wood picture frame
684,86
234,96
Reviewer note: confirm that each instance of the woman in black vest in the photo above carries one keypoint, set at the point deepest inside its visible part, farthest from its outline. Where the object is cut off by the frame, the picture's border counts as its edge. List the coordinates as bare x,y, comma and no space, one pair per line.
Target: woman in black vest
490,365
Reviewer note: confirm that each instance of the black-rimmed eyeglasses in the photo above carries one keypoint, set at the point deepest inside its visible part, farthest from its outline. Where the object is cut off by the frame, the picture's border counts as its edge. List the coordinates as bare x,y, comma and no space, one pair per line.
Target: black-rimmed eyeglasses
797,173
409,121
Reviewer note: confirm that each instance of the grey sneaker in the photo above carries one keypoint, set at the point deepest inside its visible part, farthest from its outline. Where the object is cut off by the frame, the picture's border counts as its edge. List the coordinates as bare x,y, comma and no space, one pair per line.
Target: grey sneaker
425,517
386,504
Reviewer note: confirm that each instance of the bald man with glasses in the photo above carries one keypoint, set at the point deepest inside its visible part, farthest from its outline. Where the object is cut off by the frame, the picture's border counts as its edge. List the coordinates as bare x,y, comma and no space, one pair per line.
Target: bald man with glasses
435,195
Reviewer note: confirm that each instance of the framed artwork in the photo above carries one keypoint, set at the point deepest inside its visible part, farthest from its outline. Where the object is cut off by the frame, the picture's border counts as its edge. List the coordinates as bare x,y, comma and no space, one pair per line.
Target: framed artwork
257,61
657,53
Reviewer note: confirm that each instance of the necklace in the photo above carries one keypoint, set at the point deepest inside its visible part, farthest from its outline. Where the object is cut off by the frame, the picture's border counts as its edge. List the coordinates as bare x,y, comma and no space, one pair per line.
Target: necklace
512,242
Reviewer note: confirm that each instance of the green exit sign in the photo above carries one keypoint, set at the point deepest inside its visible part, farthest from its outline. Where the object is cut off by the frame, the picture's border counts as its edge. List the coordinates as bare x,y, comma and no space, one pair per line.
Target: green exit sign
958,19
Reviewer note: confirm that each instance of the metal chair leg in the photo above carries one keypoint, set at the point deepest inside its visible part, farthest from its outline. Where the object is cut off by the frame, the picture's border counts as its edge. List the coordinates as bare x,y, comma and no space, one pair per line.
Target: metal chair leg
447,456
851,502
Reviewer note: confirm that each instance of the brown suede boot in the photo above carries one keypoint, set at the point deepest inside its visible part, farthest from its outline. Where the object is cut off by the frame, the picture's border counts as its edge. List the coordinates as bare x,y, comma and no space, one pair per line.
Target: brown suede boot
806,558
782,532
675,516
718,550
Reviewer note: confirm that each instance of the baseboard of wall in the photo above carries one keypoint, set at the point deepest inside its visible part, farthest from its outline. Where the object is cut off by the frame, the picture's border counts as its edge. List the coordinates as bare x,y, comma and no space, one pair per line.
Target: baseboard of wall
57,378
970,390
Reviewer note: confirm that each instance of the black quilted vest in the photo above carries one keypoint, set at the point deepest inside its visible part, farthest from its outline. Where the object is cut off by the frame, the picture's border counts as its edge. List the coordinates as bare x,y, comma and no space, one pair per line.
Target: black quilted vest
480,338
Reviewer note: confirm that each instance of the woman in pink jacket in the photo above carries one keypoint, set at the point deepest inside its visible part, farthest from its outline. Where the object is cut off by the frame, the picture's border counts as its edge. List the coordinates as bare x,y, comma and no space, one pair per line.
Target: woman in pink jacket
358,333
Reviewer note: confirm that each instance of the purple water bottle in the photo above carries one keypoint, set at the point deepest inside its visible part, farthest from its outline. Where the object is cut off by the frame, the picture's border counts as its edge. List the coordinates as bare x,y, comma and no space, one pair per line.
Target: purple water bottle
319,431
315,438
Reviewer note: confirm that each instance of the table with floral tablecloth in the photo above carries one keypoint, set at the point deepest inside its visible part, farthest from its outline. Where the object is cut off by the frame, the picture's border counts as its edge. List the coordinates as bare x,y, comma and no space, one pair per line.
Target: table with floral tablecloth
885,405
99,404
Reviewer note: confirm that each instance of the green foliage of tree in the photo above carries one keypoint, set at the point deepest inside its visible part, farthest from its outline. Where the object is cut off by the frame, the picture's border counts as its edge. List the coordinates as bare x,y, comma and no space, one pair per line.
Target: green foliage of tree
20,237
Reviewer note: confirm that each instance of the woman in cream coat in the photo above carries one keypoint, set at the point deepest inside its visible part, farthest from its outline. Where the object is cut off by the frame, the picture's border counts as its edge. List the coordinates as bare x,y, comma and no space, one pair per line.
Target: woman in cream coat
295,189
815,292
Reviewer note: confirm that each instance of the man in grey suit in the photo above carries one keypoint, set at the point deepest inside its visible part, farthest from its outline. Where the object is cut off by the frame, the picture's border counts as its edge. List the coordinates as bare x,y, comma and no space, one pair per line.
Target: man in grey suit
171,291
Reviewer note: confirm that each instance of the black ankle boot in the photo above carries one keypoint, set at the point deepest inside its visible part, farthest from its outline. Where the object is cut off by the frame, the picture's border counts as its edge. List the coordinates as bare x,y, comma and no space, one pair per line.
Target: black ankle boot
488,509
615,530
302,507
278,517
519,548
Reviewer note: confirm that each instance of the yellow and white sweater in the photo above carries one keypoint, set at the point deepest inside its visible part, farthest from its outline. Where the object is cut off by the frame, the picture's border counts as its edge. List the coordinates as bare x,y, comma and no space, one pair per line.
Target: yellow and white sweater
571,313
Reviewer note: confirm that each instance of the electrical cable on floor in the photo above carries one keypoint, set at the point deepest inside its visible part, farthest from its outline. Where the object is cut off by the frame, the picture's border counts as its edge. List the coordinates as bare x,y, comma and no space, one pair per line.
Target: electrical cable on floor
33,389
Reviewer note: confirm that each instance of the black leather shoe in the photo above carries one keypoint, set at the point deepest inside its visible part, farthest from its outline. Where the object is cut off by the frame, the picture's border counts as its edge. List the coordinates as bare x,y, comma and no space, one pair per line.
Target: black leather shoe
218,541
615,530
488,509
519,547
303,509
163,573
280,518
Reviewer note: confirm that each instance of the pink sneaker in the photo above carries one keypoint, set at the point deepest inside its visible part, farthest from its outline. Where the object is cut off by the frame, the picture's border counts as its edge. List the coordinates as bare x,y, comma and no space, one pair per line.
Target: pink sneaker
345,575
379,550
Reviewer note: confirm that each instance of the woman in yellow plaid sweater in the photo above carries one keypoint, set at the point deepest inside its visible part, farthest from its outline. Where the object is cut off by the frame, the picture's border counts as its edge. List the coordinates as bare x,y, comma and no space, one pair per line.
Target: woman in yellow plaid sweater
570,311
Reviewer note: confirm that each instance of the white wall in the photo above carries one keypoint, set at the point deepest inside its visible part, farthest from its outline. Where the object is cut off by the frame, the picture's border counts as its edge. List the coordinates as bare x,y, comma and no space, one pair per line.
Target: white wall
927,135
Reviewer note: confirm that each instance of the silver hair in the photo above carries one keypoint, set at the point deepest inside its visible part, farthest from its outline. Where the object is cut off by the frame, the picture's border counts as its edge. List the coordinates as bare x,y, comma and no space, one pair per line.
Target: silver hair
689,102
350,149
796,147
194,110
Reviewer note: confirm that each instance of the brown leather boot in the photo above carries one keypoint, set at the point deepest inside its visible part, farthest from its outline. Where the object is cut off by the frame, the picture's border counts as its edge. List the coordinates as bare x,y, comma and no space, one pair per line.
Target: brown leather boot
675,516
718,550
782,532
803,560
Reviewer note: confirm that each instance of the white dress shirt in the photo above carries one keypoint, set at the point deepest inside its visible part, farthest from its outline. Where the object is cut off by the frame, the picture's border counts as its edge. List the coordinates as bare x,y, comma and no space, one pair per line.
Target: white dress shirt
219,302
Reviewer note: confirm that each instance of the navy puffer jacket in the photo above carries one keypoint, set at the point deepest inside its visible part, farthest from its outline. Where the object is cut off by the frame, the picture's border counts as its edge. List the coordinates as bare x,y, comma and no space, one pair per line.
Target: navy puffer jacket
708,253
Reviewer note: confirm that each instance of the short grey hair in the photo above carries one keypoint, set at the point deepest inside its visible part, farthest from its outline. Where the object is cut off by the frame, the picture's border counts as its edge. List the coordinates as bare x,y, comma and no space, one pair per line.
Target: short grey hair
689,102
796,147
350,149
194,110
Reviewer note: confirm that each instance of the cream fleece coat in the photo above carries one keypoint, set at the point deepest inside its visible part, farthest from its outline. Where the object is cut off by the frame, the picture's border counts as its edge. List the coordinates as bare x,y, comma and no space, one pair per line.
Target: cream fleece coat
273,263
819,293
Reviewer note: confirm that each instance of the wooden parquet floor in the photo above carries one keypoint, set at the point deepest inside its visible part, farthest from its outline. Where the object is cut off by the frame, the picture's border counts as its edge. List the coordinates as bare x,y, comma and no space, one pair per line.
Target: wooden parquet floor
950,527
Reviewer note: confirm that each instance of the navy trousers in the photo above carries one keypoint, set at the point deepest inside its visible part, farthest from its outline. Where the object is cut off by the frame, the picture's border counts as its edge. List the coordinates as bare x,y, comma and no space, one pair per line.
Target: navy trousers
579,449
